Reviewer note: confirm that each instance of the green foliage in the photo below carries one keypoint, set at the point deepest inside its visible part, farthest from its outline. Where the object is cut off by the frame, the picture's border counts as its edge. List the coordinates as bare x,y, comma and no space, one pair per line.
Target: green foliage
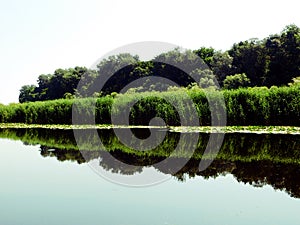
236,81
207,78
251,106
206,54
250,57
27,93
295,81
61,84
273,61
221,65
47,112
283,53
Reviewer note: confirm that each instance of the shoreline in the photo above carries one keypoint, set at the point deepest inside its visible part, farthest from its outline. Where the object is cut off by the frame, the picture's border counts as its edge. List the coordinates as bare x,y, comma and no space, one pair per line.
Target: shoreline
182,129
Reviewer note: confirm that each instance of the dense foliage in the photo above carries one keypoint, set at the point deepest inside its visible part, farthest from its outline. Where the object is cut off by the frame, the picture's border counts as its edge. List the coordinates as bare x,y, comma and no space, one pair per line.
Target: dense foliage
273,61
244,106
61,84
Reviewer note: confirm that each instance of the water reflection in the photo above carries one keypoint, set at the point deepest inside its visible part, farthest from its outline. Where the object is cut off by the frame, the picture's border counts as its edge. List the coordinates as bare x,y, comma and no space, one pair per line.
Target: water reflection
256,159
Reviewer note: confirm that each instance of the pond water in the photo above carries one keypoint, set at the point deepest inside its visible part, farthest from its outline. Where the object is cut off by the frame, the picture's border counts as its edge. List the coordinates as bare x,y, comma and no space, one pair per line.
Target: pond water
255,179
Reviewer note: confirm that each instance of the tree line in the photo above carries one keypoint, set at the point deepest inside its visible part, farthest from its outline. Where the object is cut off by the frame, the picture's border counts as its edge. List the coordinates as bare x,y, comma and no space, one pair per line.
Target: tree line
273,61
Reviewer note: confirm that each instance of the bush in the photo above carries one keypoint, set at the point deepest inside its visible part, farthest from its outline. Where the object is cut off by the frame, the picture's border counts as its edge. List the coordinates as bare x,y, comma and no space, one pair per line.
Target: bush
236,81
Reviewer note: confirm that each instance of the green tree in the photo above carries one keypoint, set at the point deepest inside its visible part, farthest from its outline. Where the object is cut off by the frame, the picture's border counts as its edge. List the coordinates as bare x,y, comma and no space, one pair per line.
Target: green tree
177,65
27,93
43,86
250,57
236,81
221,65
207,78
283,56
114,73
206,54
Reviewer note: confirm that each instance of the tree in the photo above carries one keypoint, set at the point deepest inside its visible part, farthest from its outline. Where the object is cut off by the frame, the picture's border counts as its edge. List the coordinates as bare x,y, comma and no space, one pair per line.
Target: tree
206,54
236,81
43,86
207,78
221,65
177,65
113,73
27,93
250,57
186,60
53,86
271,61
283,56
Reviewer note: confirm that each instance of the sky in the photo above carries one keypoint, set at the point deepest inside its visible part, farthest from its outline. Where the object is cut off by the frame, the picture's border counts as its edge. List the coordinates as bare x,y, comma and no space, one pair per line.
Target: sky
39,36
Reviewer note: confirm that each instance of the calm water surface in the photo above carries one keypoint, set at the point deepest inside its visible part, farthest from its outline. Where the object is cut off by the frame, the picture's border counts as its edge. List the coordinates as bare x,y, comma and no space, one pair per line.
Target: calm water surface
40,187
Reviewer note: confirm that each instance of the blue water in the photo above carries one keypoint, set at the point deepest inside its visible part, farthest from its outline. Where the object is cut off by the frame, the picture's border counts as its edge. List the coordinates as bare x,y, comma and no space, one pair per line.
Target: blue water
45,191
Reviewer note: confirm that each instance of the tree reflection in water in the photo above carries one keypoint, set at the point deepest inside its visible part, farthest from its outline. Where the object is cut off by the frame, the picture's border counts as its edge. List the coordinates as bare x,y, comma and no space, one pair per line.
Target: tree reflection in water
256,159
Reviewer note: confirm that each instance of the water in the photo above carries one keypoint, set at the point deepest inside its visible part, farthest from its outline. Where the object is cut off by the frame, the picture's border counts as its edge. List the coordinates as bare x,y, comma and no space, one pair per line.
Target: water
50,185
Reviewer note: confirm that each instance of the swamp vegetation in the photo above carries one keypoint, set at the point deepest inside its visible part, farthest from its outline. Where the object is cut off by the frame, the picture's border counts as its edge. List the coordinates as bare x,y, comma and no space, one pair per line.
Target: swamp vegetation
243,107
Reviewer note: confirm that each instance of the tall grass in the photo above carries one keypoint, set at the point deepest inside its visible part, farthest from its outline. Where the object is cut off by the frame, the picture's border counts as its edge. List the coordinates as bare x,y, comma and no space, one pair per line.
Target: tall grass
262,106
251,106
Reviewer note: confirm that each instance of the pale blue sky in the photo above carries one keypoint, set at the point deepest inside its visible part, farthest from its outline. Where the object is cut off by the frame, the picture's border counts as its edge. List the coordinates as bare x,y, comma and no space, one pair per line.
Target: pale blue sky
38,36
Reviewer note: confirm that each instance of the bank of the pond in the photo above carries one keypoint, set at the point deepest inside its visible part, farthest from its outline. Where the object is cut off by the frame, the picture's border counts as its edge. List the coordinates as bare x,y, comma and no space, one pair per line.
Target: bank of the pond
243,107
181,129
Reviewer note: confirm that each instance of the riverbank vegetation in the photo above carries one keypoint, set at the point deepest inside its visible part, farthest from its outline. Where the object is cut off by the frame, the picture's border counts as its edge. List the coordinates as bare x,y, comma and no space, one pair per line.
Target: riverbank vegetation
275,106
258,80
